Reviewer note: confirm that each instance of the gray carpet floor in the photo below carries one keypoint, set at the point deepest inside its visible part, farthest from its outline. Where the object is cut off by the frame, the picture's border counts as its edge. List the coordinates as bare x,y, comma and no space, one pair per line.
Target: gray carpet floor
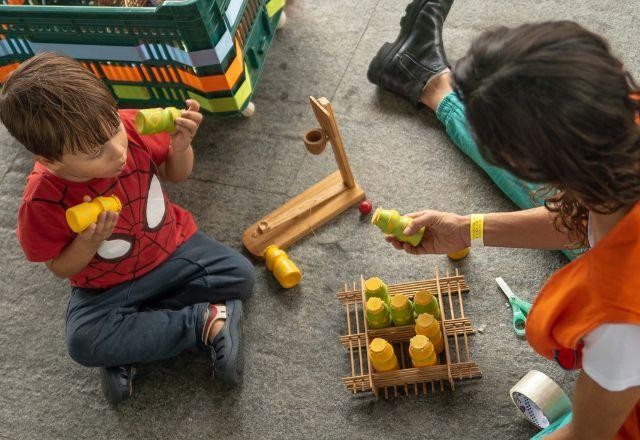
244,169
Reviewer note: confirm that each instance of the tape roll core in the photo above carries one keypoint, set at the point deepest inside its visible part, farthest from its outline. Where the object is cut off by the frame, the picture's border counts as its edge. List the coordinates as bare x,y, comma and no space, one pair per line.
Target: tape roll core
540,399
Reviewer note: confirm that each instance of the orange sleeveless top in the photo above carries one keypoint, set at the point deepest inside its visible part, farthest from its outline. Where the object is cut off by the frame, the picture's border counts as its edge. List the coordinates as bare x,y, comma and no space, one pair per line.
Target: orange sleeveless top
600,287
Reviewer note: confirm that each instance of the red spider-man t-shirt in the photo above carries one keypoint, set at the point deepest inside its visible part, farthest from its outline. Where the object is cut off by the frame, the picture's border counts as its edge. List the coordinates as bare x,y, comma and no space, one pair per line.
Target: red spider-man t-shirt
149,228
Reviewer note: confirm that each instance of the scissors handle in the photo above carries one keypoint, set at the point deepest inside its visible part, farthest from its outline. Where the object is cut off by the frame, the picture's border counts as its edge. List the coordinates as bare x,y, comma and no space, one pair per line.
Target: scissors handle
522,305
519,319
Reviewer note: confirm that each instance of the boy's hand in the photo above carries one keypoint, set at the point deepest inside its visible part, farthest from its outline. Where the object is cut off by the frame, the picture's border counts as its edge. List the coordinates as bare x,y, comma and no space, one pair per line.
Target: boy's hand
102,229
444,233
186,127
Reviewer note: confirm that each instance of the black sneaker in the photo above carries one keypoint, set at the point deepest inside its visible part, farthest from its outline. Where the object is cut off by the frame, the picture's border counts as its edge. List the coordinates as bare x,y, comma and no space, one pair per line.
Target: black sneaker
406,65
117,383
226,351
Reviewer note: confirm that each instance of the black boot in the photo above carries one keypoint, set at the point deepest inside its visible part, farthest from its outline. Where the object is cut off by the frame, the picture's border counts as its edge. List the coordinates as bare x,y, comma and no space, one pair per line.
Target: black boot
117,383
405,66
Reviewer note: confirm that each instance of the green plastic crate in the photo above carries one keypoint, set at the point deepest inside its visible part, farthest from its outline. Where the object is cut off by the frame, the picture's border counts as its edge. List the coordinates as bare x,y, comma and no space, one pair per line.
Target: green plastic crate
197,34
255,52
261,15
198,24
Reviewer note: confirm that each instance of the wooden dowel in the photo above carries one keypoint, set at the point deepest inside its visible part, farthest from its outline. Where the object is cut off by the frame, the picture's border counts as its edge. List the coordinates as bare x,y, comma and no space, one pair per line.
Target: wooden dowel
466,339
366,328
358,330
455,333
444,332
404,364
353,368
331,128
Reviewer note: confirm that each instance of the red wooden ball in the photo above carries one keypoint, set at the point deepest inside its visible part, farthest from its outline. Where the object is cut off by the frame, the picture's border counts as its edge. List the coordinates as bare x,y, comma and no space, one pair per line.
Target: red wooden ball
365,207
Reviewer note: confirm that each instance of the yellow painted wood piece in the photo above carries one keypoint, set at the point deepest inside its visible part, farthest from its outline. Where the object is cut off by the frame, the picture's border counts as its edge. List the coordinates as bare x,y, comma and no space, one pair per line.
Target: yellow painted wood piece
284,270
273,6
428,326
382,356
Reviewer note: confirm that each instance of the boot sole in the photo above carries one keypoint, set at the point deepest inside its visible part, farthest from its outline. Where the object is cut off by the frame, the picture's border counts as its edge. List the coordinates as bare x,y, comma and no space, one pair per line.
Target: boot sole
389,50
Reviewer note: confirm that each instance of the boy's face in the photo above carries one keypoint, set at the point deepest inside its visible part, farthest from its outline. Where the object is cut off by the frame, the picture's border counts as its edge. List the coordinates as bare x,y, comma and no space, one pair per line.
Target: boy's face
108,161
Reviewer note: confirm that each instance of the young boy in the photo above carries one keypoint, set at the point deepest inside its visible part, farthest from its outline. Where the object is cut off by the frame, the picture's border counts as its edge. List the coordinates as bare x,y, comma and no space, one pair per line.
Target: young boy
146,284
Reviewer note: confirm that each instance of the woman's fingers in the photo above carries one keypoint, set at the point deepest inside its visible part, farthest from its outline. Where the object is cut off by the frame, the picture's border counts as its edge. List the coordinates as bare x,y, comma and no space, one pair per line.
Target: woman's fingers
425,218
393,242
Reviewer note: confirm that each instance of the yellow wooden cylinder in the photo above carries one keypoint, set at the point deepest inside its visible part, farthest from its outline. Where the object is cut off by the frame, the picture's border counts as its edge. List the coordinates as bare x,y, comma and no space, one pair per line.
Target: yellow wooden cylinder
391,222
426,302
459,255
284,270
422,352
401,310
382,356
428,326
375,287
377,313
81,216
157,120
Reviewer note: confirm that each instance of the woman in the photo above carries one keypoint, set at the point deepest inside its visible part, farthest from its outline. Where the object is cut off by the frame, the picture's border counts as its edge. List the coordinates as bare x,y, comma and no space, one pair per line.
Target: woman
553,107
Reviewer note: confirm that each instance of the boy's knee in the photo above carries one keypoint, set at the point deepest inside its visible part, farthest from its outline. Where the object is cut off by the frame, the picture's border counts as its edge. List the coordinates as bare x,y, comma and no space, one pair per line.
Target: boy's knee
80,347
246,276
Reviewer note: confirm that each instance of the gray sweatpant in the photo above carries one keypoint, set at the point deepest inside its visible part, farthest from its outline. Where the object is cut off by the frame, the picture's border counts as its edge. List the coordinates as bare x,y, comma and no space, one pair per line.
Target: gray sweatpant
160,314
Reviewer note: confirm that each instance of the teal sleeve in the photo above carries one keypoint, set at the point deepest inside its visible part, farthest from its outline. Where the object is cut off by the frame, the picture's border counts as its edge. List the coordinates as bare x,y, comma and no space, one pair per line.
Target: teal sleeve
451,113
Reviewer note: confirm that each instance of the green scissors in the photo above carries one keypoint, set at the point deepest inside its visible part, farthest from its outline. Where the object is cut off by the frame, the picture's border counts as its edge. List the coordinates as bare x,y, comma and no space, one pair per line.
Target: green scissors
519,307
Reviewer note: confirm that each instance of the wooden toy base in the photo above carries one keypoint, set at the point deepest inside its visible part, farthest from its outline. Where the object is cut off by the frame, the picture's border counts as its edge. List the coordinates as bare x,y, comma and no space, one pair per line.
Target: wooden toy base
455,361
302,214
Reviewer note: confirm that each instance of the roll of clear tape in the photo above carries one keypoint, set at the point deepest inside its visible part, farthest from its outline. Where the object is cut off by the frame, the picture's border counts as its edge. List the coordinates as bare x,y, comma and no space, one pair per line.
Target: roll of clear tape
540,399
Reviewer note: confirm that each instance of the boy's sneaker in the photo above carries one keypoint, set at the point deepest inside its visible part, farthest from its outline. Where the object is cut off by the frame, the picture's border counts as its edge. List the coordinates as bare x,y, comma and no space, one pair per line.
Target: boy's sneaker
417,55
226,350
117,383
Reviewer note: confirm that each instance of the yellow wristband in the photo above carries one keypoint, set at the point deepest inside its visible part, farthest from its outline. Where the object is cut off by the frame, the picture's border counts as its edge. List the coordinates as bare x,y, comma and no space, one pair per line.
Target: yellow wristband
476,229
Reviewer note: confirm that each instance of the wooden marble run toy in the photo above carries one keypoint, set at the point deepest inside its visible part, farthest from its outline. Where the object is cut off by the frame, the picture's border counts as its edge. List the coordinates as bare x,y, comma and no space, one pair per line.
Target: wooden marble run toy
318,204
80,216
452,365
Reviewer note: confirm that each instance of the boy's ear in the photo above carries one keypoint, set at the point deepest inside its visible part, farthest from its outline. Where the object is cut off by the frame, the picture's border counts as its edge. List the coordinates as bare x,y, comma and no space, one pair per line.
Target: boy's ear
49,163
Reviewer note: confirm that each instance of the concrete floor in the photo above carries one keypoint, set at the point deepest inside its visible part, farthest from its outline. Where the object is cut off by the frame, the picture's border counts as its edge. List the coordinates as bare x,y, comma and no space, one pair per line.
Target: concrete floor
244,169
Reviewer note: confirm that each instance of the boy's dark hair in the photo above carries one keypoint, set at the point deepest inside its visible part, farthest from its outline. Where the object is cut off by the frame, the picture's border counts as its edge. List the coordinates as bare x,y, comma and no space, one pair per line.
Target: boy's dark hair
52,105
551,104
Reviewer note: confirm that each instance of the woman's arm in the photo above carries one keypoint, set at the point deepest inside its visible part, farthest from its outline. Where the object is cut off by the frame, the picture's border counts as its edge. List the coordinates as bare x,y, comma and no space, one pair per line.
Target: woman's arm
447,232
597,413
531,228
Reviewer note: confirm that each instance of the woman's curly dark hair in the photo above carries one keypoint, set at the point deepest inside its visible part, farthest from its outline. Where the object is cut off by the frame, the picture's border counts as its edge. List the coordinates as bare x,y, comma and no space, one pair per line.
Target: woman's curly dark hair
550,103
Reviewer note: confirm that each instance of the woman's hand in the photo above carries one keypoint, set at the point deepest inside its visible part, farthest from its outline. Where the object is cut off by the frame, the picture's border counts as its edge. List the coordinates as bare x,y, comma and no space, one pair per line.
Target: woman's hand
445,232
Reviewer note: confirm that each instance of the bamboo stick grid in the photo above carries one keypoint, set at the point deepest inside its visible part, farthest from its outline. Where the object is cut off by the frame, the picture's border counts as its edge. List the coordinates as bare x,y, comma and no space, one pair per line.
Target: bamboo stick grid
456,363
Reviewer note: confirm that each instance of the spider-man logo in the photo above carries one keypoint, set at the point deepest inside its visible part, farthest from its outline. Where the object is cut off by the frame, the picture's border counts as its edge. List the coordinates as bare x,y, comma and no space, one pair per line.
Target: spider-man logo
145,225
122,242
